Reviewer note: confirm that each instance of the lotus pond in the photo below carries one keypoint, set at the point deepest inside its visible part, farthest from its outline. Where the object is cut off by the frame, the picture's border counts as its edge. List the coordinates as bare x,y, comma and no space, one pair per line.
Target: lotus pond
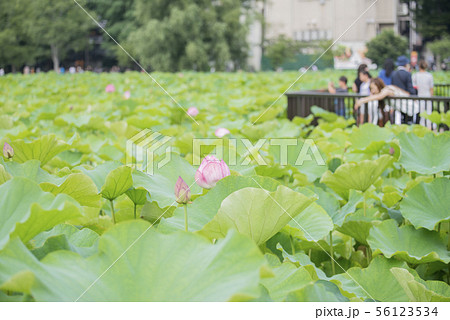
340,213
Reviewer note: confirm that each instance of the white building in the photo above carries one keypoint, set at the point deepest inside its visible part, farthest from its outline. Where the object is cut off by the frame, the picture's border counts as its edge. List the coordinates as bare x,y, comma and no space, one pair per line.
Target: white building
351,22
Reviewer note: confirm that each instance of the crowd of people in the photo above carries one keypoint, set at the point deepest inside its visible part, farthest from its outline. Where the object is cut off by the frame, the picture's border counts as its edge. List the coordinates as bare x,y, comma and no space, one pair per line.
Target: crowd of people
394,80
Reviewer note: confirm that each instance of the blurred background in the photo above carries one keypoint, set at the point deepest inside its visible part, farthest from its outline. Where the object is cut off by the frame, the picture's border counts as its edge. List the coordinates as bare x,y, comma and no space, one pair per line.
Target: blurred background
220,35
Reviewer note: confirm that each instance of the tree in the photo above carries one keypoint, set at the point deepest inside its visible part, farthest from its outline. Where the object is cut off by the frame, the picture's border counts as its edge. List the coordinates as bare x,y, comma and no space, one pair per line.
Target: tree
432,17
173,35
281,50
17,47
440,49
59,26
386,45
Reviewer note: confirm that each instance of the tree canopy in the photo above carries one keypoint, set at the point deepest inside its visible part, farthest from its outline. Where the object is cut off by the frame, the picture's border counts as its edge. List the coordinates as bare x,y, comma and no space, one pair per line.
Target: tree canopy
386,45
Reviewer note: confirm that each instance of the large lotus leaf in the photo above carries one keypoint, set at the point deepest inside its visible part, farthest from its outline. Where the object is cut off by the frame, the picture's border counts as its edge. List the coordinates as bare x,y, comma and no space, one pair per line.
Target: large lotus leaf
204,208
27,210
302,259
427,204
30,169
406,243
339,216
138,196
312,224
319,291
427,155
79,186
42,149
358,176
303,156
287,278
99,173
117,183
370,137
358,224
65,237
161,183
175,267
419,290
342,244
257,213
374,282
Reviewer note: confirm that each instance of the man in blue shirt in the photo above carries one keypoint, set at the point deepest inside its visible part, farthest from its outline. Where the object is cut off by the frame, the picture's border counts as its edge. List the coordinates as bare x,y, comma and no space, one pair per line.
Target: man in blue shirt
402,77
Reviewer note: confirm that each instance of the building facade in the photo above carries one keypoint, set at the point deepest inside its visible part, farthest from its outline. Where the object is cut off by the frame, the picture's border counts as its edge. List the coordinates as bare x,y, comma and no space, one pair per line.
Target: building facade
351,22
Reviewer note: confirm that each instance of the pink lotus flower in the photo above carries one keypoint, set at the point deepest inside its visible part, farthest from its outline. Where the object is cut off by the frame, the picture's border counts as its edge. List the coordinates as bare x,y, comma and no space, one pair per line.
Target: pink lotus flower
8,151
127,95
210,171
221,132
182,191
110,88
192,111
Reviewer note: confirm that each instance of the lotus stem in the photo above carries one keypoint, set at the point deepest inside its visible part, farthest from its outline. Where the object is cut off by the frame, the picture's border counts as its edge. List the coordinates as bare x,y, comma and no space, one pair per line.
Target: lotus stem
185,218
112,211
309,254
333,270
439,227
135,211
292,244
364,204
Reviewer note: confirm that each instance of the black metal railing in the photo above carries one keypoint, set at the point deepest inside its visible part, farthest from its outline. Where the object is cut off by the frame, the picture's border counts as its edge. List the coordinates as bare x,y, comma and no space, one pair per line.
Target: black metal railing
442,90
397,110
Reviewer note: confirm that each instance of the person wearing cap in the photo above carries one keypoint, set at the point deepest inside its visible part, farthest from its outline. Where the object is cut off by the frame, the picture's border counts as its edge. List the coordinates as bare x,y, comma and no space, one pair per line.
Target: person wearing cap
402,77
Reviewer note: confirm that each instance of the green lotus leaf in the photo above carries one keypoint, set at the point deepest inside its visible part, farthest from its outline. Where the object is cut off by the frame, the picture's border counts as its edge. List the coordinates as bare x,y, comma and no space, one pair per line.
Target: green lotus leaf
312,224
287,278
99,173
322,113
419,290
117,183
257,213
358,176
427,155
65,237
161,184
175,267
370,137
427,204
319,291
42,149
4,176
406,243
375,282
138,196
358,224
302,259
32,170
204,208
78,186
38,211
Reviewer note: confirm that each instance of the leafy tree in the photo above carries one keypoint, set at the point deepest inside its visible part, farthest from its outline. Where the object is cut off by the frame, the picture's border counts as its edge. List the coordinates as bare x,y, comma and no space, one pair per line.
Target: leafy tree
174,35
59,26
440,49
432,17
16,39
386,45
281,50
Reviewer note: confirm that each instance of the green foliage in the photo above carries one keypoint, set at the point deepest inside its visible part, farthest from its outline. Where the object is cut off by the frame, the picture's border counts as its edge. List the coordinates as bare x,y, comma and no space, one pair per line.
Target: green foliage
281,49
386,45
383,217
432,18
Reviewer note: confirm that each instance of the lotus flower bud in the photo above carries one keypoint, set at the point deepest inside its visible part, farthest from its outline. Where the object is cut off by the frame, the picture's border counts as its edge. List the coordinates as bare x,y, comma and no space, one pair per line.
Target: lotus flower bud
192,111
210,171
110,88
182,191
8,151
221,132
127,95
391,151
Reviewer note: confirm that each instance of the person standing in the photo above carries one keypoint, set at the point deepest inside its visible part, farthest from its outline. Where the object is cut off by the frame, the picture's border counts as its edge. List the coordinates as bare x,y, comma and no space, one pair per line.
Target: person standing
423,81
385,74
401,77
357,83
339,104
